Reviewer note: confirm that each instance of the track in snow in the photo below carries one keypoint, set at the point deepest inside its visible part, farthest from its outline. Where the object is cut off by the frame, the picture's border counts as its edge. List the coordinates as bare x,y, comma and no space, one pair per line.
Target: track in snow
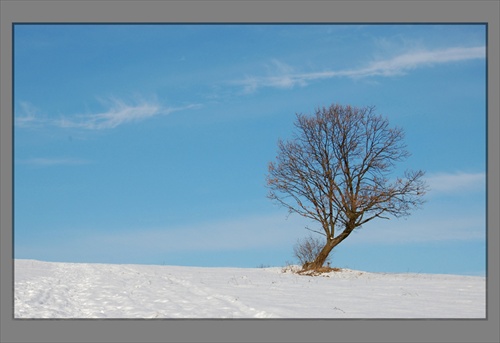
66,290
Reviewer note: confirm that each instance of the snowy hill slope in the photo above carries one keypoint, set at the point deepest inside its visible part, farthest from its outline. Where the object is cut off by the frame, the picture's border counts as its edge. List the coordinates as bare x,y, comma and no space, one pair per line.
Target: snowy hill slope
70,290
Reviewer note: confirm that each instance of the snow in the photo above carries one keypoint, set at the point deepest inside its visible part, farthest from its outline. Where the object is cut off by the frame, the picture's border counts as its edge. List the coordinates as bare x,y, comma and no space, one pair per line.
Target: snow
82,290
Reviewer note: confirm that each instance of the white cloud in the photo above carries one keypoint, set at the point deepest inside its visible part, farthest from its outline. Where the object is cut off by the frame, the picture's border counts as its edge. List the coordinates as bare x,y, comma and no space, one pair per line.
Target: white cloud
275,231
438,220
224,235
118,112
456,182
398,65
29,117
402,63
26,121
420,229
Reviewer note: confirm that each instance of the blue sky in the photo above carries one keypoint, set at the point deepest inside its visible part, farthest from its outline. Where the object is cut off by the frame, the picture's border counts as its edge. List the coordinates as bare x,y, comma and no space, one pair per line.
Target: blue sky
150,143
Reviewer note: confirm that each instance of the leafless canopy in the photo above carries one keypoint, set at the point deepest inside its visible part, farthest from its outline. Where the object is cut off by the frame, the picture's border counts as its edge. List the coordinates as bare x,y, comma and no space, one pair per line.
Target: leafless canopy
336,171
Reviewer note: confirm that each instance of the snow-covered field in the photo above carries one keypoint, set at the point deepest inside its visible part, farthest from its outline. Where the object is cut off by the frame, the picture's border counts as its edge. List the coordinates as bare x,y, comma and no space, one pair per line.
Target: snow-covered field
70,290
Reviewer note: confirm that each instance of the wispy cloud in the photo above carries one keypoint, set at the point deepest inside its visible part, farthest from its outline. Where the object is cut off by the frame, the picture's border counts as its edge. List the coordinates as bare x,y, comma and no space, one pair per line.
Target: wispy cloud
275,232
398,65
27,121
421,228
48,162
224,235
438,222
456,182
402,63
118,112
29,117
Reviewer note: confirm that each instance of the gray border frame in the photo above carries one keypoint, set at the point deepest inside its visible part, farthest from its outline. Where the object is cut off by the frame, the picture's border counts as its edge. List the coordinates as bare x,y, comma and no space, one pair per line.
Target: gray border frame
273,11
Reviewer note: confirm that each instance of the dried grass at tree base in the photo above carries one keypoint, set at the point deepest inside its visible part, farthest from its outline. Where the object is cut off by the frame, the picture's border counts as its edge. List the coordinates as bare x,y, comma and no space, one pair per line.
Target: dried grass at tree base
318,271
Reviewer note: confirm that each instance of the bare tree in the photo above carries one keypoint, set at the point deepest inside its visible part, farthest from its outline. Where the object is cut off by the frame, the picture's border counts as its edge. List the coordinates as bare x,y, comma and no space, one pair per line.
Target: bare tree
335,170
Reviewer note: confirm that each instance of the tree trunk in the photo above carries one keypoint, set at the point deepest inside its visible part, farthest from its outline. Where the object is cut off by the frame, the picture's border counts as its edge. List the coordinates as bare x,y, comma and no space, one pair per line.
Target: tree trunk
330,244
322,256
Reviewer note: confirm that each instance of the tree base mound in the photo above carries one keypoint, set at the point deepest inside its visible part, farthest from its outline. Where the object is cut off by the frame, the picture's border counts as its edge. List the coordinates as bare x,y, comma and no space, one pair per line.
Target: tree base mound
318,271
